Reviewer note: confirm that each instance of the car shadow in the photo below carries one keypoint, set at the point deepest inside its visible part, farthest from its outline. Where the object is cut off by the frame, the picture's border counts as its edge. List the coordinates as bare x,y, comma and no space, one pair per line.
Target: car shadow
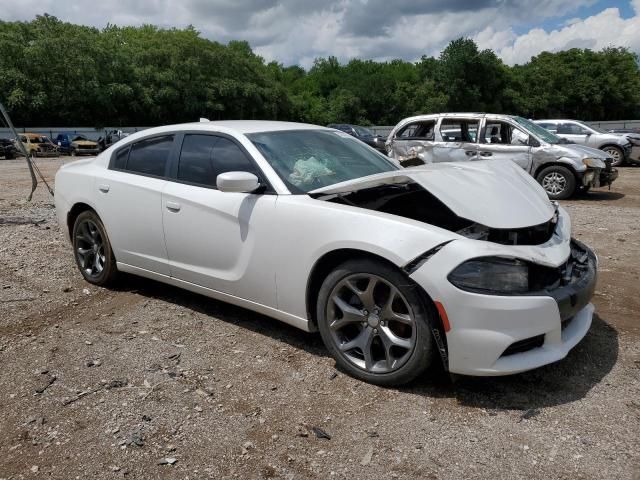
563,382
226,312
600,195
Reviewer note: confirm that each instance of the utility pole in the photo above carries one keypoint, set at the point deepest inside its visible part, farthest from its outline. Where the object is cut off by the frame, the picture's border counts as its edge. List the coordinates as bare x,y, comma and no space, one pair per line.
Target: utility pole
34,180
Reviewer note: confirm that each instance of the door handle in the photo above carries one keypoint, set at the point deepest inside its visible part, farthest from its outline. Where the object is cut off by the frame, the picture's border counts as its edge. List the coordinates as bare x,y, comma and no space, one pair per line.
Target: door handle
173,206
486,154
470,153
104,188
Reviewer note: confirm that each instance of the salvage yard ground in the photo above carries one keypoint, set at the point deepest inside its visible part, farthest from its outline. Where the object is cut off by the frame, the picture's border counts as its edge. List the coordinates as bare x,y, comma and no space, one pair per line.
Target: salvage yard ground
148,381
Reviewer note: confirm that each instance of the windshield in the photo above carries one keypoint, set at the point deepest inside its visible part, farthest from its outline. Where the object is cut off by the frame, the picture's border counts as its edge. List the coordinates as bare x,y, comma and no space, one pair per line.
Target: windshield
538,131
79,137
309,159
363,132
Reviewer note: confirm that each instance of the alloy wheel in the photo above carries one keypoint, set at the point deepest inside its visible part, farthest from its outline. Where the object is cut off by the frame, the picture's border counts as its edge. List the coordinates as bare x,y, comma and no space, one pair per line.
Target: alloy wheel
554,183
371,323
615,155
90,249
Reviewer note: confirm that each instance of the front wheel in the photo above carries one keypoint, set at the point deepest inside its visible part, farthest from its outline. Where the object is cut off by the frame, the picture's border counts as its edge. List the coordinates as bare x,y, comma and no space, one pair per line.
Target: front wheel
616,154
92,249
375,323
559,182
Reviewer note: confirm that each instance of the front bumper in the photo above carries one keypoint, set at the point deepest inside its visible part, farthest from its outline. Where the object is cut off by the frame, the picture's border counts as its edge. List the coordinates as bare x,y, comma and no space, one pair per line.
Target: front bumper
607,176
501,335
87,151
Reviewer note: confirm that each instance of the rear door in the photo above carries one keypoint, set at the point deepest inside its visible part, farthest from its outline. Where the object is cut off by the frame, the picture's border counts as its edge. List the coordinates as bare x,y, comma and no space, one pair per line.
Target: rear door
503,140
413,143
456,139
219,240
573,132
129,199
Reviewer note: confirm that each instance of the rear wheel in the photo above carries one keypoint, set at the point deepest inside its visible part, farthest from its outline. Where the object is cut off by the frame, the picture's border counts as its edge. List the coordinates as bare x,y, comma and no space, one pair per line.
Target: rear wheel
92,249
375,323
615,153
559,182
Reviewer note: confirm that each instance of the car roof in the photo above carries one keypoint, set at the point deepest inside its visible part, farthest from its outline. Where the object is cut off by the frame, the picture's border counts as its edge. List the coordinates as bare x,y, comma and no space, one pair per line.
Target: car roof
255,126
557,120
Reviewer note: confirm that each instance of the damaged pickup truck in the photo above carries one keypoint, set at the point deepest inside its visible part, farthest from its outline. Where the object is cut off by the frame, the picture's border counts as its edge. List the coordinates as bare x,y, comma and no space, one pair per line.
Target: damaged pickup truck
469,263
560,167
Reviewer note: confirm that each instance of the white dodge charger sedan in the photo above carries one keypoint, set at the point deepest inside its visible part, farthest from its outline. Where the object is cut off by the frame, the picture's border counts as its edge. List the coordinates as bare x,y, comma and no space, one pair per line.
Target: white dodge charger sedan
467,264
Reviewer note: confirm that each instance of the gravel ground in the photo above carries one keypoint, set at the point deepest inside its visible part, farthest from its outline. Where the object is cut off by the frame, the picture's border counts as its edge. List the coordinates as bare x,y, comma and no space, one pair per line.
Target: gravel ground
148,381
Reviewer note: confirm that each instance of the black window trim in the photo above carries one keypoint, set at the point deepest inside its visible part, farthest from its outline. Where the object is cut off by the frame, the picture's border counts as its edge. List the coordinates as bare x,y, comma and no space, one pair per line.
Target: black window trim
131,144
174,160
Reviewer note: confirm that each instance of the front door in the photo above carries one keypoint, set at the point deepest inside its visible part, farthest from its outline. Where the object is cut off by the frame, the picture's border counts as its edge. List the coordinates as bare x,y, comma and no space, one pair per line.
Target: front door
217,239
503,140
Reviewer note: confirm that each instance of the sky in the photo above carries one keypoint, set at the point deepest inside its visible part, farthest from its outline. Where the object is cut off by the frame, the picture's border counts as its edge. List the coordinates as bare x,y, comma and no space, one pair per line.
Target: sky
295,32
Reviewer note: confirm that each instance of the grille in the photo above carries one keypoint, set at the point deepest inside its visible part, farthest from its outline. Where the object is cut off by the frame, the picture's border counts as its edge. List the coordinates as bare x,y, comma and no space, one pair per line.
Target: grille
524,345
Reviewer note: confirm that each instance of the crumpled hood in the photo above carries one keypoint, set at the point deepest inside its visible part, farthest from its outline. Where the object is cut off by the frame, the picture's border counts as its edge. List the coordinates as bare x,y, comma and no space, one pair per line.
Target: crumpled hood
582,151
493,193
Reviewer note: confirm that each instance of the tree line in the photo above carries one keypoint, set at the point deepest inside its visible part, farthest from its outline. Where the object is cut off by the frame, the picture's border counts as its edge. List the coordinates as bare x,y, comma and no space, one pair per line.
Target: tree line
54,73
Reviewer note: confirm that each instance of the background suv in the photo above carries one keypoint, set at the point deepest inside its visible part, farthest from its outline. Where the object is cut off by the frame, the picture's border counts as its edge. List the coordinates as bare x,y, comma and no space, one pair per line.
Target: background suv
361,133
616,145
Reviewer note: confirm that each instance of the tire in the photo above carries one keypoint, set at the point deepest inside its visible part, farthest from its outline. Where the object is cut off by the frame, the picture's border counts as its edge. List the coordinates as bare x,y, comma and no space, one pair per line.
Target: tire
9,156
616,153
97,264
353,317
73,152
559,182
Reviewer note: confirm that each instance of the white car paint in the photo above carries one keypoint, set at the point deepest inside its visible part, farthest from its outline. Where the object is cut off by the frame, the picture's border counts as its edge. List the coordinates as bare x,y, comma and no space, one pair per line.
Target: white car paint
258,250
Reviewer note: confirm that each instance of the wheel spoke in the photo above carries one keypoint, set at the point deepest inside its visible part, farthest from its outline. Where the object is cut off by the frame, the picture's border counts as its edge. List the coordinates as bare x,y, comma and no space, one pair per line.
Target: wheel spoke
361,340
366,295
387,312
390,339
350,314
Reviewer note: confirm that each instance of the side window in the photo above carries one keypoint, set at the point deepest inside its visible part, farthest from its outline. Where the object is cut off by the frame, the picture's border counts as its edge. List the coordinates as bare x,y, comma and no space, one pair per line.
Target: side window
149,157
571,129
504,133
196,159
418,131
518,137
120,160
454,130
204,157
408,131
229,157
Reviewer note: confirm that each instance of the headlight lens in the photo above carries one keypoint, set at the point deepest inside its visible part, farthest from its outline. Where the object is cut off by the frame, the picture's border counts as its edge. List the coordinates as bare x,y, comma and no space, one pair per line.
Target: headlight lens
593,162
492,274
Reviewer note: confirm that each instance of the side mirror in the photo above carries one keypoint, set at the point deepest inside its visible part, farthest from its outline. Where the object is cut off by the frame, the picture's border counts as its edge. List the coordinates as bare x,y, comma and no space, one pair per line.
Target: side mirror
239,182
533,142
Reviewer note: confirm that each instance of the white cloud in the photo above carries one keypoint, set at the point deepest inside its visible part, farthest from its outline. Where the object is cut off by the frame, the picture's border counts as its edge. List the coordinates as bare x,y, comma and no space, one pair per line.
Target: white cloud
297,31
605,29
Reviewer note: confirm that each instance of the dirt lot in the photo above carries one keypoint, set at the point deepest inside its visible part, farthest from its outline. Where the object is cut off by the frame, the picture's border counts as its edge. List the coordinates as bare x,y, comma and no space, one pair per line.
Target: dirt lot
100,383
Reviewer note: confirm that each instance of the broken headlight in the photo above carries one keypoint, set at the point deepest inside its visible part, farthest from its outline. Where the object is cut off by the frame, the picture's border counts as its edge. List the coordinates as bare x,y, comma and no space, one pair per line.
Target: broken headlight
492,275
593,162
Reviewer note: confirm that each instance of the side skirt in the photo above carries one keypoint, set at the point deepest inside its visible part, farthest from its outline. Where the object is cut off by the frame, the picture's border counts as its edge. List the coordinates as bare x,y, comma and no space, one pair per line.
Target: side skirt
298,322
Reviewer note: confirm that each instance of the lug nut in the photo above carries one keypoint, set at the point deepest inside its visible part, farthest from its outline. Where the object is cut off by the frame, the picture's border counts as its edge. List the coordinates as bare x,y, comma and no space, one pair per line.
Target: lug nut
365,312
375,330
